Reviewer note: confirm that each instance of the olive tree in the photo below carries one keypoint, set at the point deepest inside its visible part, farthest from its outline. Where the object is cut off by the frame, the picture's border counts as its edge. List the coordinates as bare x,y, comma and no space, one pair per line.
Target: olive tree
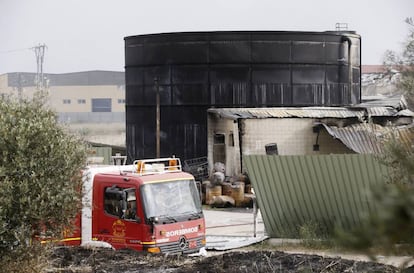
40,177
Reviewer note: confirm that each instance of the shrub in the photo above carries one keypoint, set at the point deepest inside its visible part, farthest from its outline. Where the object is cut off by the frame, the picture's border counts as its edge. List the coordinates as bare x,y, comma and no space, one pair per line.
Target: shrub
40,177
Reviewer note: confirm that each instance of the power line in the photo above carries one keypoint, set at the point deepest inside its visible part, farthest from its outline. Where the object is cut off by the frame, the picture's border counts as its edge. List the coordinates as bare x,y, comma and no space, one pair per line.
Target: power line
14,50
39,51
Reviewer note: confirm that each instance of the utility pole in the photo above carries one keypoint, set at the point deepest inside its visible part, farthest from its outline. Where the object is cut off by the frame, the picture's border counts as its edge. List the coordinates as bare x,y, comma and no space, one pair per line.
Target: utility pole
40,55
19,87
157,92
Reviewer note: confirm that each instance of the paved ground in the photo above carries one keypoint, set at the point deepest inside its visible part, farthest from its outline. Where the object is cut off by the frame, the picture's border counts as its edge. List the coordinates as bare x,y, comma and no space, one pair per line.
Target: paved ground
233,228
233,222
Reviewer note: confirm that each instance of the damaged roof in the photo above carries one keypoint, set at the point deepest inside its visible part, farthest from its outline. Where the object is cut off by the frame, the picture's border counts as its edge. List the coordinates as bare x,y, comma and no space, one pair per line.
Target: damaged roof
360,138
309,112
364,138
371,106
396,101
291,112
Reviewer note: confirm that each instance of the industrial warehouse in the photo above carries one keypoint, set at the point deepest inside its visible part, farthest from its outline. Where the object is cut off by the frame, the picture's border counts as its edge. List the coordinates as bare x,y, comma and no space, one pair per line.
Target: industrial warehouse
249,99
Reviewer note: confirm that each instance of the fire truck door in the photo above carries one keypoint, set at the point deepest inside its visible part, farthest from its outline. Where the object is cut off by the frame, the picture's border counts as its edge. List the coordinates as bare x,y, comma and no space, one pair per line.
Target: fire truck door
118,222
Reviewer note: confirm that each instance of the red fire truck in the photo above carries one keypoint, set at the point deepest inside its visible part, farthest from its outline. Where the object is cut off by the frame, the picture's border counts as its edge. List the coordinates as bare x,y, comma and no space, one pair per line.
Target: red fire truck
151,205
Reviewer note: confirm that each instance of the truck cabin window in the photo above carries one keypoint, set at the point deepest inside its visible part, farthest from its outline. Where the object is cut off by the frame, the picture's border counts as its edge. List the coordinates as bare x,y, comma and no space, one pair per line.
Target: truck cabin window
131,205
171,200
120,202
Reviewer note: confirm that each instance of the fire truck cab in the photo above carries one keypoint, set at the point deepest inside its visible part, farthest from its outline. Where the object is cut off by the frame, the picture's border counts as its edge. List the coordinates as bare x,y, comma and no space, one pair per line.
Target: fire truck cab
151,205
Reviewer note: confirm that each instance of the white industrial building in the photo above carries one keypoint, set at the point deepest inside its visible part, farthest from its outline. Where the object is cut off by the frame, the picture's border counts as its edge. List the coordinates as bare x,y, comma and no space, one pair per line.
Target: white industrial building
235,132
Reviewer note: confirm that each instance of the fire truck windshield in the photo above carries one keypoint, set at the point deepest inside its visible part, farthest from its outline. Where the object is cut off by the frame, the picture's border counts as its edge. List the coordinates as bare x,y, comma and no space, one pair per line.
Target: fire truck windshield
171,199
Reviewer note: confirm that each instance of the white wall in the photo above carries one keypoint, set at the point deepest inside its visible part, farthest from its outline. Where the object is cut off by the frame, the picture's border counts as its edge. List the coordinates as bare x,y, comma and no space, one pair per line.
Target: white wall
293,136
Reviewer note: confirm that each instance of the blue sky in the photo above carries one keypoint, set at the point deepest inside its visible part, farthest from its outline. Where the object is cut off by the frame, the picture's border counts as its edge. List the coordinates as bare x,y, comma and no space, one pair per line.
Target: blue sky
83,35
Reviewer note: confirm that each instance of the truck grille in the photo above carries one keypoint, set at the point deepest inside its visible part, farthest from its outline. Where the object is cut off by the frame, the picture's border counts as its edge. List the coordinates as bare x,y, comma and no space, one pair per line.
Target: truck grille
182,246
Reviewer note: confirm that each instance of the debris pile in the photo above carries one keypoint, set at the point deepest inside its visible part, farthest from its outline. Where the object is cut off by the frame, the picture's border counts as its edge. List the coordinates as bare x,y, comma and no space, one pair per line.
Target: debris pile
75,259
221,191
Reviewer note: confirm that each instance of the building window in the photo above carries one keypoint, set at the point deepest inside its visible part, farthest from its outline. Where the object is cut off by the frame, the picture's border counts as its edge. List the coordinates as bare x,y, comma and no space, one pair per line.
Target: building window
120,101
219,139
66,101
231,139
101,105
219,148
81,101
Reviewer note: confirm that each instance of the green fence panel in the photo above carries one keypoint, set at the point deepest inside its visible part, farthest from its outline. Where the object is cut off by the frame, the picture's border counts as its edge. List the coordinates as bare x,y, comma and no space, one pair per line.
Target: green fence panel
327,190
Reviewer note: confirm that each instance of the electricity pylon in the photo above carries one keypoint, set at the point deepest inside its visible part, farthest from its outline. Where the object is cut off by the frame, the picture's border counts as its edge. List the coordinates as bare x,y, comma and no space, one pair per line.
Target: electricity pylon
40,56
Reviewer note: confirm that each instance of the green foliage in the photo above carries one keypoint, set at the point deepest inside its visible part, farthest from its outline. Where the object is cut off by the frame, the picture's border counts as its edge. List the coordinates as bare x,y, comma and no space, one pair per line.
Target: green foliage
314,236
309,234
399,157
40,175
390,228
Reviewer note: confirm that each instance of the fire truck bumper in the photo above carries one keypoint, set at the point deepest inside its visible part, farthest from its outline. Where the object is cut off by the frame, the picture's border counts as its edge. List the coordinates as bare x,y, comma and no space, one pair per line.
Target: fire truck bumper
183,246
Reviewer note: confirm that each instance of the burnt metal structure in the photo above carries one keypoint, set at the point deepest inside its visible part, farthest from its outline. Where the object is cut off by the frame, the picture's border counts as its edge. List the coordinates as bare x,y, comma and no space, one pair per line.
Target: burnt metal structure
189,72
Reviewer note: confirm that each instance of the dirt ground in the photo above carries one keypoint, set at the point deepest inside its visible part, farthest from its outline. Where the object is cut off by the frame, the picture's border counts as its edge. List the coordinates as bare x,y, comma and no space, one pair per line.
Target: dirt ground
80,260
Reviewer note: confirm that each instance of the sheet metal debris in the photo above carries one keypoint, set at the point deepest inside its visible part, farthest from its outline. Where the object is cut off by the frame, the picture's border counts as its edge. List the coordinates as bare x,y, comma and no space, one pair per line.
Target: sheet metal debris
231,242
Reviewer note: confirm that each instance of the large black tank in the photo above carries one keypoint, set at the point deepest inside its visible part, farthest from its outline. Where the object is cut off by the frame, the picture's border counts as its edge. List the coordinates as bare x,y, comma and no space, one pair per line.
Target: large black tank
199,70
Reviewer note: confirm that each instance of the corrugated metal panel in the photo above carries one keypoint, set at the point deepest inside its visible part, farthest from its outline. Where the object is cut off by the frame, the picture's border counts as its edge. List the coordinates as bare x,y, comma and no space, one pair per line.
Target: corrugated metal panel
293,191
366,138
309,112
406,136
396,101
277,112
405,113
361,138
381,111
388,112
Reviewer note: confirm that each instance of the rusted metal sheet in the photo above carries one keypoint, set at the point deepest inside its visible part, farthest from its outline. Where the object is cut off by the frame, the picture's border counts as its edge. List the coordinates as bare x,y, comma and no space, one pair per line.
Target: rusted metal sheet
329,190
